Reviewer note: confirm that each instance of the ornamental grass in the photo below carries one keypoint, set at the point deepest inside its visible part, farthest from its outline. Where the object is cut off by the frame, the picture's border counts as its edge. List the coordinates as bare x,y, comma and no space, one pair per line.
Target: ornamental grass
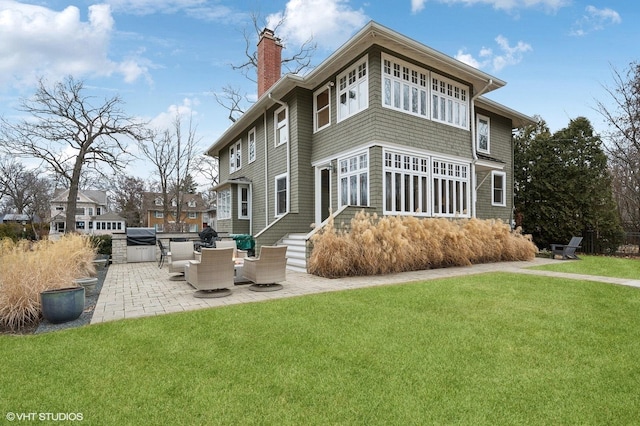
28,268
374,245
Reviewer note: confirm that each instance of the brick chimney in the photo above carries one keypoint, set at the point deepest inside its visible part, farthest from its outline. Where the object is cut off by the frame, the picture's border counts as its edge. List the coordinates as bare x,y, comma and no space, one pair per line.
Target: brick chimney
269,60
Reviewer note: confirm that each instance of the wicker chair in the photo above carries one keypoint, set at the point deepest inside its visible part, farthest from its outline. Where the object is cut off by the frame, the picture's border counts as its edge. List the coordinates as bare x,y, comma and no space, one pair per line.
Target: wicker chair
181,252
212,276
266,270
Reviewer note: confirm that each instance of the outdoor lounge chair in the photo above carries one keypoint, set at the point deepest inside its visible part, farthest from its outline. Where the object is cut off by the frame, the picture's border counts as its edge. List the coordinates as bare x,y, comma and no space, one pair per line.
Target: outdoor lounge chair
212,276
567,251
181,253
266,270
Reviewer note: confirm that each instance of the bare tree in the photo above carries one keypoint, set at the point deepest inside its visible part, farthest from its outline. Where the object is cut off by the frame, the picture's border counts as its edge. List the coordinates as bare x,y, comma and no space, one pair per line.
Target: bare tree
231,98
172,153
623,141
66,130
127,198
23,189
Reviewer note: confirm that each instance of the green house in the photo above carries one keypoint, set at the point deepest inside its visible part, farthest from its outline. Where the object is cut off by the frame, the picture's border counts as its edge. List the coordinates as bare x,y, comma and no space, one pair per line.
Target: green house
385,124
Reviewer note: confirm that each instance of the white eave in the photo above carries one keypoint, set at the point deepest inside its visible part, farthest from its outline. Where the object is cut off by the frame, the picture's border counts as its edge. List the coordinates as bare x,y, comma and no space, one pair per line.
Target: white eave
518,119
371,34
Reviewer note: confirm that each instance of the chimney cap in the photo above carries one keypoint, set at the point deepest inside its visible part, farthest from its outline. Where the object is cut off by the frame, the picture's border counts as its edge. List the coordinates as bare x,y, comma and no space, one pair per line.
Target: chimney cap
268,33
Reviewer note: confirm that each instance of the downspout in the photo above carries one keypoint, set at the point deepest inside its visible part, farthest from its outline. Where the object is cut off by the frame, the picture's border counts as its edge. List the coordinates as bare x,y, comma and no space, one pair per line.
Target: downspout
266,171
473,145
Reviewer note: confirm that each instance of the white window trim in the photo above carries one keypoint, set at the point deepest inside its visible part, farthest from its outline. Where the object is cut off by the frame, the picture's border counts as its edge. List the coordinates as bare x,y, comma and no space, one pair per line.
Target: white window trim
462,99
339,91
224,204
452,168
238,160
275,191
421,85
503,203
240,215
277,126
192,215
315,108
488,120
251,142
423,172
358,172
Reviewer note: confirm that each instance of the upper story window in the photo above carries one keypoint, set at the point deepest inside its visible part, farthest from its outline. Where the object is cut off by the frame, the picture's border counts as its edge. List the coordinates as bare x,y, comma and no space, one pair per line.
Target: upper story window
89,211
404,86
321,109
158,214
251,138
174,203
158,201
354,180
449,102
353,90
282,126
59,208
235,157
483,133
191,203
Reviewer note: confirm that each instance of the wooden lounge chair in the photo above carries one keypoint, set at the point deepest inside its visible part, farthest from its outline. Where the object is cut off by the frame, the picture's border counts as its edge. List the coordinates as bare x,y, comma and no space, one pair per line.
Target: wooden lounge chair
213,274
266,270
567,251
181,253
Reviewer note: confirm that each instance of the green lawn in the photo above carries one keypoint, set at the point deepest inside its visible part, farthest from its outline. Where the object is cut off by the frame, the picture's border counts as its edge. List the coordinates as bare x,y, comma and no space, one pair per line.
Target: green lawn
488,349
605,266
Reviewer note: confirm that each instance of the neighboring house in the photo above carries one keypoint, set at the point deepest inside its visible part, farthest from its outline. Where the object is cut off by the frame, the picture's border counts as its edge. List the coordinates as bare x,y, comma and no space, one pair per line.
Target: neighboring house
385,124
194,213
92,216
19,218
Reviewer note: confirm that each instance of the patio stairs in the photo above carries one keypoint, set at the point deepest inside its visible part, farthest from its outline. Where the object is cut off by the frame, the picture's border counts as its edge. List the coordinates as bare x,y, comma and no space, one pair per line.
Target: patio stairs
296,252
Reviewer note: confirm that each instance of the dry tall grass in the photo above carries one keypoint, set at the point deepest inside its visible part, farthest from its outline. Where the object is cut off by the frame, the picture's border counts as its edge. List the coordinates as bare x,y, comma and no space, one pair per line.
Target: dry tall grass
380,245
28,268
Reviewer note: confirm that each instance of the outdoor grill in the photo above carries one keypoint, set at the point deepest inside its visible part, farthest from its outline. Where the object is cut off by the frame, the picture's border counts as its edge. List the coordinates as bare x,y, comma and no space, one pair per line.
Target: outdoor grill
141,245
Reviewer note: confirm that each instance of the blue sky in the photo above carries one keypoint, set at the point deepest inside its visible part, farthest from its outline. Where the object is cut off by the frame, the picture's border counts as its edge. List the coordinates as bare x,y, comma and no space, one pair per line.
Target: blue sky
168,56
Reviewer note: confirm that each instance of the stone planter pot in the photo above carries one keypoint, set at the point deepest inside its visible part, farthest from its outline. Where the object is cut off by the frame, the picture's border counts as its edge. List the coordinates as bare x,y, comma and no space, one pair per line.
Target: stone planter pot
89,284
62,304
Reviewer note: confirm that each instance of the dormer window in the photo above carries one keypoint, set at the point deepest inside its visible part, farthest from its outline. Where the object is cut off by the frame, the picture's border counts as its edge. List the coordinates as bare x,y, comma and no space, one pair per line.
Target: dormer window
158,202
191,203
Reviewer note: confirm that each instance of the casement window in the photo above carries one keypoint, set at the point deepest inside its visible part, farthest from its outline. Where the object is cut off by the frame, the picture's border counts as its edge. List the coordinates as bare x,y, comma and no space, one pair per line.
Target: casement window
224,204
235,157
282,195
483,126
449,102
193,215
498,189
251,138
321,109
354,180
243,202
450,189
404,87
353,90
281,118
158,215
406,184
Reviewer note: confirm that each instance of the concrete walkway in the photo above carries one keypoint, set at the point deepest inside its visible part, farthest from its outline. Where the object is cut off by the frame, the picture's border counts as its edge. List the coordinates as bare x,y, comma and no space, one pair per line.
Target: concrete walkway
142,289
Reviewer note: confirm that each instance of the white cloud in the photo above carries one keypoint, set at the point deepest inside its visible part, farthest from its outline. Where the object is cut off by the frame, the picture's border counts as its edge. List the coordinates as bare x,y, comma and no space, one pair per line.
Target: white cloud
595,20
550,5
36,41
329,22
507,55
166,119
